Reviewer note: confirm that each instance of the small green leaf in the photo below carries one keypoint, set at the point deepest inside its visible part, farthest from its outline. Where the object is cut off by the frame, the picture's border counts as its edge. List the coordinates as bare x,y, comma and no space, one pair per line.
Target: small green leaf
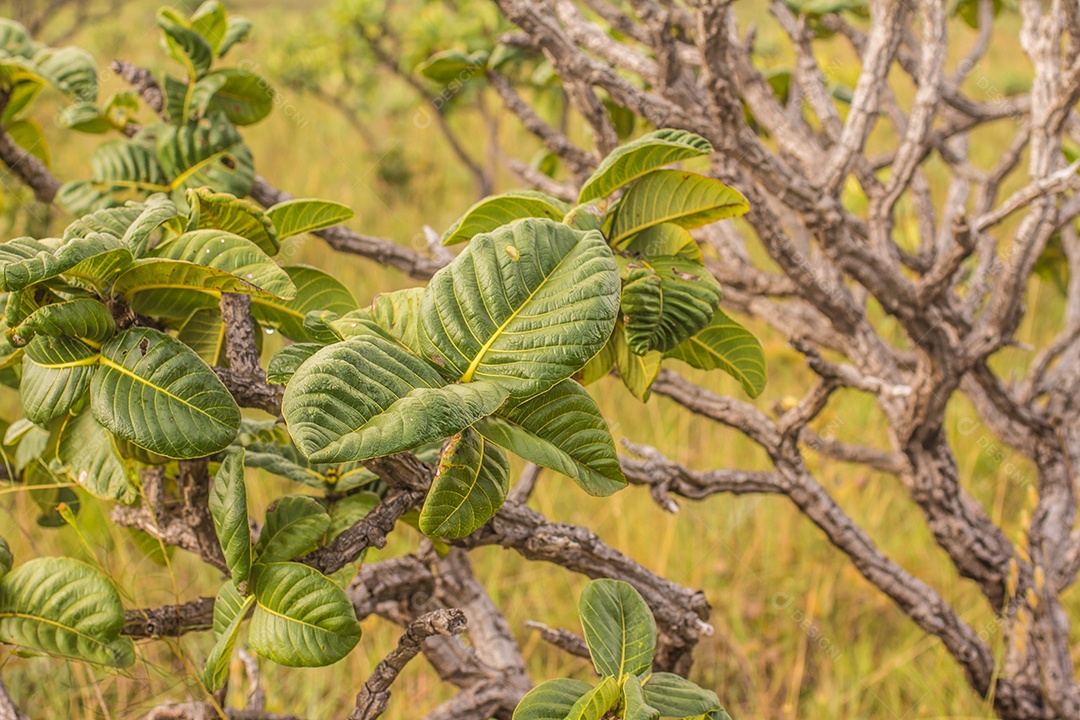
90,458
70,70
222,211
244,97
665,300
286,361
561,429
237,30
66,608
365,397
228,605
82,319
25,261
315,290
301,215
666,239
684,198
727,345
301,619
57,372
211,21
216,671
638,372
677,697
228,507
633,699
619,628
294,526
596,703
551,700
469,487
232,254
155,212
185,44
398,313
498,210
634,159
453,65
155,392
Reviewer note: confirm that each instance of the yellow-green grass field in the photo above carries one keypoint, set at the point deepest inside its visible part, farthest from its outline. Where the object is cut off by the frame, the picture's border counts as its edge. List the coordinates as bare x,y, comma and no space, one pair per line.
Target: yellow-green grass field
798,632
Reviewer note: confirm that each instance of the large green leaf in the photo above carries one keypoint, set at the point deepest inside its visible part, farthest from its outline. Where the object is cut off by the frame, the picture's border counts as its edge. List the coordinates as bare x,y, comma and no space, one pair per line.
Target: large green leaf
294,526
230,253
469,487
595,704
87,452
677,697
155,392
634,159
156,211
301,619
112,220
228,507
498,210
684,198
302,215
64,607
207,153
244,97
216,672
561,429
222,211
56,374
315,290
524,306
727,345
551,699
83,318
122,170
175,289
619,628
633,699
369,396
25,261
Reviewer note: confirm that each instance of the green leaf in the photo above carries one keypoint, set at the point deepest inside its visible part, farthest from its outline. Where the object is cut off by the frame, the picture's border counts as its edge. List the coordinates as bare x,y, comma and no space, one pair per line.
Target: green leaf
6,558
185,44
684,198
70,70
561,429
87,452
633,700
398,313
211,21
14,38
349,510
596,703
501,310
286,361
204,332
228,604
244,97
294,526
216,671
634,159
453,65
369,396
551,700
207,153
25,261
156,211
315,290
84,319
619,628
112,221
301,619
175,289
727,345
232,254
302,215
66,608
498,210
28,135
469,487
237,31
665,300
638,372
56,374
221,211
319,325
601,364
155,392
677,697
270,447
228,507
666,239
84,117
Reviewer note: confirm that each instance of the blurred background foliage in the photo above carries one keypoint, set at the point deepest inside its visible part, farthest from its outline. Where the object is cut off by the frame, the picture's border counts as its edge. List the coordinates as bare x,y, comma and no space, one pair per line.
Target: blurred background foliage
798,631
